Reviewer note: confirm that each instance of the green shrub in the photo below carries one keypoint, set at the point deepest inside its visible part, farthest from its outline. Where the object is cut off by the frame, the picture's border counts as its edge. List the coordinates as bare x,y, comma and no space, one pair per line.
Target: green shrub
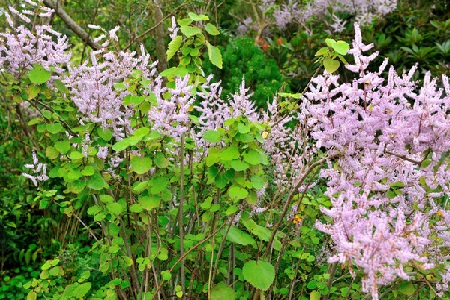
243,59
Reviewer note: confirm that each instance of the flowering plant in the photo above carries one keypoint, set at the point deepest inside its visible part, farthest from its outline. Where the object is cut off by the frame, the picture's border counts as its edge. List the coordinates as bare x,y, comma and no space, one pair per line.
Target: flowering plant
163,174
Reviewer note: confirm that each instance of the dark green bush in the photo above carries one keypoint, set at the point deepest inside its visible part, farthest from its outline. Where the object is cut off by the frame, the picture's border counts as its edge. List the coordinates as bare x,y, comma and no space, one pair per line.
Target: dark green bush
242,59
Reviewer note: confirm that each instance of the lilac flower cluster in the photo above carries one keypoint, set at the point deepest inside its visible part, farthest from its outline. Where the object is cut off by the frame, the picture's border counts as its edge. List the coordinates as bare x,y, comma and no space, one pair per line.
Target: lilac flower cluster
171,116
390,136
92,87
39,170
365,11
22,47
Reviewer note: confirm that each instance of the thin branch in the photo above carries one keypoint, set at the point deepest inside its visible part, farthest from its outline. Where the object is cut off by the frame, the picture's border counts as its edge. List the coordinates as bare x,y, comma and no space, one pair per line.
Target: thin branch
133,40
80,32
403,157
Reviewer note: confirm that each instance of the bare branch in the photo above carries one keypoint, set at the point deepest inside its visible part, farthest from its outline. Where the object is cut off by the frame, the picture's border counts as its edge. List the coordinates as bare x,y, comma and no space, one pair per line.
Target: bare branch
71,23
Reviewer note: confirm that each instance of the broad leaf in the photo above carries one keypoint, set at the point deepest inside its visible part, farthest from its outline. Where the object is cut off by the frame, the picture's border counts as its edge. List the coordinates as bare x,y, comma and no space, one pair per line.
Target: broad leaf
215,56
211,29
39,75
260,274
240,237
174,45
222,292
141,165
331,65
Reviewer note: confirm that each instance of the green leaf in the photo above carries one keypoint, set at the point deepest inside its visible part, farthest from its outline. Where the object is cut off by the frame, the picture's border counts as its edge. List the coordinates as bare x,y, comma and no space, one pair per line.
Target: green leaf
189,31
330,42
141,165
121,145
106,198
257,182
174,45
195,17
212,136
133,100
322,51
331,65
136,208
260,274
406,288
61,86
114,208
240,237
32,295
51,152
211,29
341,47
32,91
222,292
148,202
88,171
76,155
237,192
96,182
106,135
54,127
231,210
166,275
239,165
230,153
315,295
214,55
82,290
161,161
62,146
252,157
39,75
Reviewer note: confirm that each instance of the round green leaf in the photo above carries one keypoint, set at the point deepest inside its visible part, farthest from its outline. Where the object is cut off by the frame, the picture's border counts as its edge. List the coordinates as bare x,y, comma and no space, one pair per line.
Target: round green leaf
136,208
252,157
62,146
141,165
149,203
88,171
237,192
161,161
230,153
315,295
341,47
331,65
114,208
257,182
212,136
39,75
96,182
239,165
54,127
260,274
222,292
51,152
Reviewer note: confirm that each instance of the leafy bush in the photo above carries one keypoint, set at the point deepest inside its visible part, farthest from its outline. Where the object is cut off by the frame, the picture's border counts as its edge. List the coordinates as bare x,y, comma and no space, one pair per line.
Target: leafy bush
163,174
242,59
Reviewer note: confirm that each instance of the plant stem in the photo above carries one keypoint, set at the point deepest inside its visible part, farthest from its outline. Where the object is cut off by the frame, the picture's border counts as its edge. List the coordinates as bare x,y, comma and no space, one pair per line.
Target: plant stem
180,213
